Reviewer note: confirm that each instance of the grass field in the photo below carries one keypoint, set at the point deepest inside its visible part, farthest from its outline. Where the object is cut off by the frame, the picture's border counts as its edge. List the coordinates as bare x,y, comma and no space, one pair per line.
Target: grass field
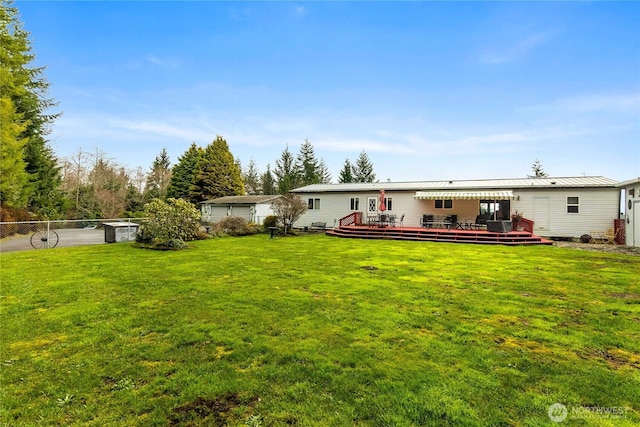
319,331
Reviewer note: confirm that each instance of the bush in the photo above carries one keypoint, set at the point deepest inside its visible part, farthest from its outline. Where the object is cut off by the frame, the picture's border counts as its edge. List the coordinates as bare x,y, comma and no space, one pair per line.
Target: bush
170,224
235,226
9,214
270,221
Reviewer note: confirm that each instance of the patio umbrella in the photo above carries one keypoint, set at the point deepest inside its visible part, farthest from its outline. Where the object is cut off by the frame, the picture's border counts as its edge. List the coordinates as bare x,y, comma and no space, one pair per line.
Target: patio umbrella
383,205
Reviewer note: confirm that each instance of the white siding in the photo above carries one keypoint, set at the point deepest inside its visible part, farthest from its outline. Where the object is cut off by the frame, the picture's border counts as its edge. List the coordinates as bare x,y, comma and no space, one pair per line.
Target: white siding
263,210
598,208
632,214
334,206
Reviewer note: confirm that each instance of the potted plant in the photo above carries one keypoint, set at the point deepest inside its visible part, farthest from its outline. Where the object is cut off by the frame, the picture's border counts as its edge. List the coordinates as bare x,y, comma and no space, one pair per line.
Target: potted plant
516,221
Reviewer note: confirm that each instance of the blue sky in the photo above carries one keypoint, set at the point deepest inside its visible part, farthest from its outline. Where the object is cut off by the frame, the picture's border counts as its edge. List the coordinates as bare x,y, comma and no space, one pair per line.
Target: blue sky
430,90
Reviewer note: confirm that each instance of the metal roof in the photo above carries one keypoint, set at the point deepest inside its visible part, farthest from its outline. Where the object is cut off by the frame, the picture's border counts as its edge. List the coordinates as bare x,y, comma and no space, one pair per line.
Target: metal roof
241,200
628,182
464,195
479,184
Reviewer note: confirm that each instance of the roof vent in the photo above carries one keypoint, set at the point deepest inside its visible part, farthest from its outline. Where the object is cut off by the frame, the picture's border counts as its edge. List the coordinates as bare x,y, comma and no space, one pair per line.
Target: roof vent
450,182
553,183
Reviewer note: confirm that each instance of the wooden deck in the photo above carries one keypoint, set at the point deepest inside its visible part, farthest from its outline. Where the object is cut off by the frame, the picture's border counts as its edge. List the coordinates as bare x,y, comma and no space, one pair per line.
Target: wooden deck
438,235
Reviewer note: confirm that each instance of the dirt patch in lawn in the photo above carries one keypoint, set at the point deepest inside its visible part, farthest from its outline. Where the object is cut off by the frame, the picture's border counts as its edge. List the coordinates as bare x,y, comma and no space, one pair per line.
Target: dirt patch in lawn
592,247
210,412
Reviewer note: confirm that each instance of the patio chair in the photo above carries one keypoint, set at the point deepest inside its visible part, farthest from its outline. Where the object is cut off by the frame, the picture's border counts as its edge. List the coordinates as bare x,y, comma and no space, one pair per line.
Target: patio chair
401,219
426,221
609,237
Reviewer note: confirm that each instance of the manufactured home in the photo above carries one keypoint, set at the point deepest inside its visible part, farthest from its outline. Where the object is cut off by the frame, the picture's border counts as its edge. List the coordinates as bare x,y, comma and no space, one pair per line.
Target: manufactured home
631,218
252,208
563,207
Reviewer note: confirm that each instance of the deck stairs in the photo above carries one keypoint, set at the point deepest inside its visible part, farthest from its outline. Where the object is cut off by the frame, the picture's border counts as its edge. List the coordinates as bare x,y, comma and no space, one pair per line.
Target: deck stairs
438,235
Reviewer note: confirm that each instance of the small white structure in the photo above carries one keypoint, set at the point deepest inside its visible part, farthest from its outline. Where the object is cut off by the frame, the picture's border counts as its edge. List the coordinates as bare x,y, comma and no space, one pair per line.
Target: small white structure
120,231
631,218
252,208
565,207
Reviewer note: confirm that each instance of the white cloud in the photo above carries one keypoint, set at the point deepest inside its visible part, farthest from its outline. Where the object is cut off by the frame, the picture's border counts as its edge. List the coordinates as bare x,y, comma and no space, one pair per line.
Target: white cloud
300,11
514,51
609,103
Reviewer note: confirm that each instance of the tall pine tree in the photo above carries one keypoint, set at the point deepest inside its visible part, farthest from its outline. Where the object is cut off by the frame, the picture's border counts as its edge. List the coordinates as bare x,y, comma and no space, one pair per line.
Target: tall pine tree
324,173
286,173
346,173
363,169
307,165
251,179
159,177
218,174
23,90
183,174
268,182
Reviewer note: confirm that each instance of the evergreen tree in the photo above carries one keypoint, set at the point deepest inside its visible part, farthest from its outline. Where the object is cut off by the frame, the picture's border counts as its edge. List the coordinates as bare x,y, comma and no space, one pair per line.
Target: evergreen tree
159,177
324,173
363,169
23,90
268,182
286,174
13,174
251,179
183,174
538,171
346,173
307,165
218,174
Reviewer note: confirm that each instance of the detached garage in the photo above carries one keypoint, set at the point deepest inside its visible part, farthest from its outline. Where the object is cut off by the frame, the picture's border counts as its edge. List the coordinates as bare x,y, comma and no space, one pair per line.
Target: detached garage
252,208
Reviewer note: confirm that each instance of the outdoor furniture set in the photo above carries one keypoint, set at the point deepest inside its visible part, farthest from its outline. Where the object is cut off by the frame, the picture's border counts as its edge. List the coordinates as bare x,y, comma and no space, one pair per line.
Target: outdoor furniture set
384,220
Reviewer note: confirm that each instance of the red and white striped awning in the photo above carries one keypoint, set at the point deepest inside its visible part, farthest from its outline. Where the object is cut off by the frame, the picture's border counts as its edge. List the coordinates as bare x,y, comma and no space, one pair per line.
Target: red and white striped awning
465,195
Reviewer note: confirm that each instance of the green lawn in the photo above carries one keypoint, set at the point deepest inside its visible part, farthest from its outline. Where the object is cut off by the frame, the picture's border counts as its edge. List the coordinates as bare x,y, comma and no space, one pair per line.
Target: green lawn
318,331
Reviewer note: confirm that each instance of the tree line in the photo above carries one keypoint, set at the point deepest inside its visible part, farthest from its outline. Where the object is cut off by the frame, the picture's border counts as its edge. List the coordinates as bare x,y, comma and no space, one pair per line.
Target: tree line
33,181
95,186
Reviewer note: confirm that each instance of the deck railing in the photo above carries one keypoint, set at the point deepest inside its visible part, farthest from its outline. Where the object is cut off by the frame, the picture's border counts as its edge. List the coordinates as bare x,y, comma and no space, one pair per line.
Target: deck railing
354,218
527,224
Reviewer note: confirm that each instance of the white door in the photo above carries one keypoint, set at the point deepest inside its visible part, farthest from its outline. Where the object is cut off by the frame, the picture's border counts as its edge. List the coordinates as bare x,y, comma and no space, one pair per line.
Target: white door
541,213
635,225
372,205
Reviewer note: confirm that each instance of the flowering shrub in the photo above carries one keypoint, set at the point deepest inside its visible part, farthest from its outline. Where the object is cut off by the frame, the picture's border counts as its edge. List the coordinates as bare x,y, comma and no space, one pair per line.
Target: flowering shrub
170,224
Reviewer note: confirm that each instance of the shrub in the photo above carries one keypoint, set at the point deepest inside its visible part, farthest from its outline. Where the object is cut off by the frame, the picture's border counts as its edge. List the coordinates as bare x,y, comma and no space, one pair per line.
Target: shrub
270,221
170,224
235,226
9,214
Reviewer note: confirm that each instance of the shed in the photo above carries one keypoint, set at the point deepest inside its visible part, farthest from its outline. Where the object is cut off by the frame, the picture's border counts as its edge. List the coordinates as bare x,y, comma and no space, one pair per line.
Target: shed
252,208
120,231
631,217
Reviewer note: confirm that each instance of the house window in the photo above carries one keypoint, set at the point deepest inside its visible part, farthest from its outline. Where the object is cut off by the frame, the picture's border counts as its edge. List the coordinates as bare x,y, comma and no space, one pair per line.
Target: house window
573,205
388,201
355,203
314,204
444,204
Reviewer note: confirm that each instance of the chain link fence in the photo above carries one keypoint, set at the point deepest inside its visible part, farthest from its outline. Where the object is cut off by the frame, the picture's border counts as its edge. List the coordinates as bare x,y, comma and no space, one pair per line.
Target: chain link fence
22,235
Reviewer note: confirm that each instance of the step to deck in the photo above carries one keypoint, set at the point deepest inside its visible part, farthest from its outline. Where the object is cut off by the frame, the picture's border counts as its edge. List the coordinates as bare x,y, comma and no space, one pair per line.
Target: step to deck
439,235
